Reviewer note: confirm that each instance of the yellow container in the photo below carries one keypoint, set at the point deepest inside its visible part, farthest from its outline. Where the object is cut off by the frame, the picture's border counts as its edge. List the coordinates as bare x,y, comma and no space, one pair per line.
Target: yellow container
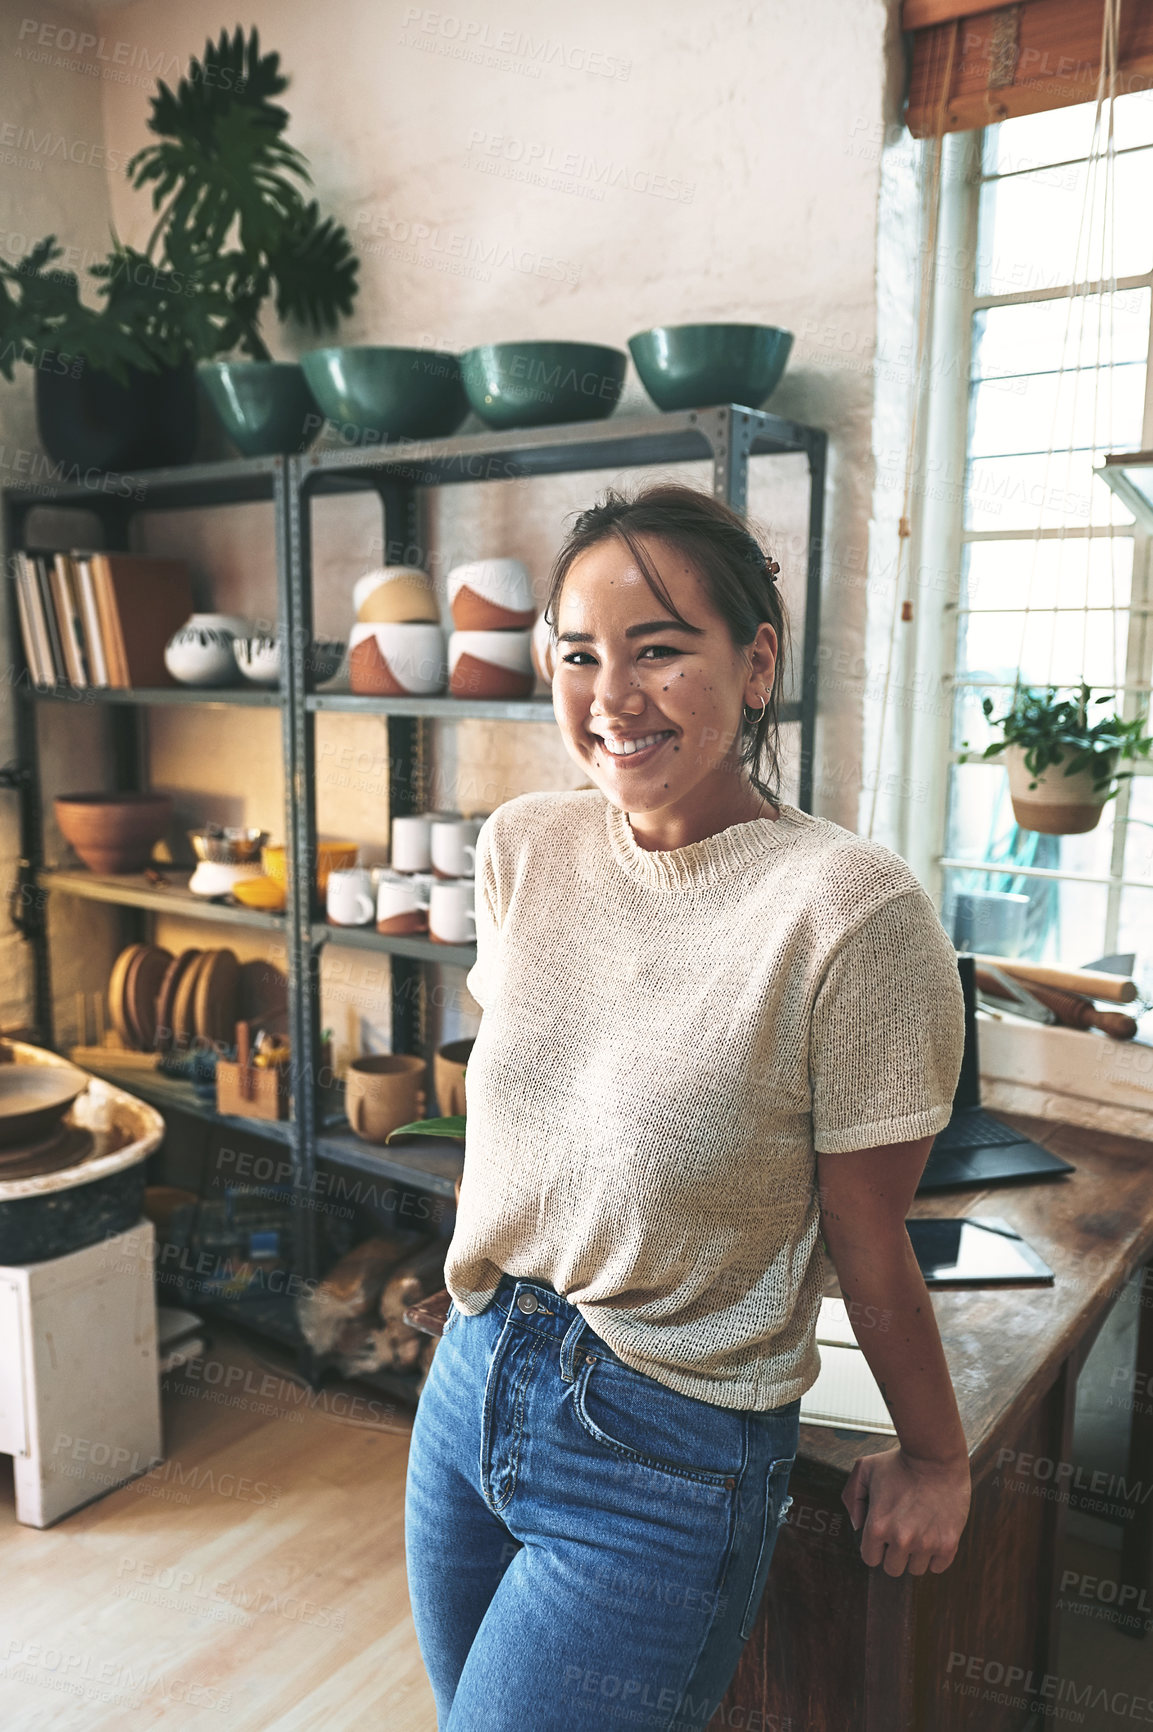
330,857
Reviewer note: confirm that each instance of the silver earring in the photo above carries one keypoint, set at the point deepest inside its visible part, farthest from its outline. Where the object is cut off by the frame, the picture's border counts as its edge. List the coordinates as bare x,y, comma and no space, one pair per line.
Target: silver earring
753,720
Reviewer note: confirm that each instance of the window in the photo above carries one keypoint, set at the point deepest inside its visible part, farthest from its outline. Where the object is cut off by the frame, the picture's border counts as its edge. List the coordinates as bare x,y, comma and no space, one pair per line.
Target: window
1036,371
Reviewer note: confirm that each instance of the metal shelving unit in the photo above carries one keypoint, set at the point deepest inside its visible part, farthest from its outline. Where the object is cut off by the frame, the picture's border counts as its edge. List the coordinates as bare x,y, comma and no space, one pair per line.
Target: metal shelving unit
727,437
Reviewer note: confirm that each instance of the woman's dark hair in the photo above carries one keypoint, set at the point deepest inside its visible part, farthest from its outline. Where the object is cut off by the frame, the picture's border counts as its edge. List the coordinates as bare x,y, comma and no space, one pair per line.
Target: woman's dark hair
731,562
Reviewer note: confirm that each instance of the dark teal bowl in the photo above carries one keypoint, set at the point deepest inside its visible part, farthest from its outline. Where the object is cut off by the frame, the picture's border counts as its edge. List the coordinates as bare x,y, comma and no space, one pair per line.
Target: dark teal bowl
373,394
696,366
543,384
265,407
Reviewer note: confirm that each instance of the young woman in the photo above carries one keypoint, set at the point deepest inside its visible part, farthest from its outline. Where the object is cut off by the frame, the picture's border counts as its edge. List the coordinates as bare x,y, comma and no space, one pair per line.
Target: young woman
716,1030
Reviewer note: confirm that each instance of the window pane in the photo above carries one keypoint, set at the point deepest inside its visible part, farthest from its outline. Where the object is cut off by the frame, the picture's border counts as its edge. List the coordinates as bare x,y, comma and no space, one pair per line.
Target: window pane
1062,133
1090,408
1070,331
1055,573
1040,492
1049,648
1030,231
1133,929
1139,843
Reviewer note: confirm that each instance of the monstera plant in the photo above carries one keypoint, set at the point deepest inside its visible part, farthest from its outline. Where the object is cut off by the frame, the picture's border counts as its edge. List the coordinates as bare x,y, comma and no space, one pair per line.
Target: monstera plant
234,230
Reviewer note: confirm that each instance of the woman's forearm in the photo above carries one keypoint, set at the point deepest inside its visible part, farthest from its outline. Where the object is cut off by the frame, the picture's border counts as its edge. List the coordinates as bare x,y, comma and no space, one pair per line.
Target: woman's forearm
892,1318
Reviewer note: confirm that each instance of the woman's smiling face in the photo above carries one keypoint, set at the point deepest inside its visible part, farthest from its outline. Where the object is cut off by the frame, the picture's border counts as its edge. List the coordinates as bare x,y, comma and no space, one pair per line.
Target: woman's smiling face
627,671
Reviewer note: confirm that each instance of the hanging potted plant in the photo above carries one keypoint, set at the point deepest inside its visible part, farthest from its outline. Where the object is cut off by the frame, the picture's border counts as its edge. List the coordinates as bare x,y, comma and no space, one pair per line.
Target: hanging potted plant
116,382
1062,768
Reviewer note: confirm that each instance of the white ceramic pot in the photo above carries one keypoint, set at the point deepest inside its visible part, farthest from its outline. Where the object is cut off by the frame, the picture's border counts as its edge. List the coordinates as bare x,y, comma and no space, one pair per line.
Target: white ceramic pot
1058,805
395,595
490,664
491,595
201,653
258,659
405,660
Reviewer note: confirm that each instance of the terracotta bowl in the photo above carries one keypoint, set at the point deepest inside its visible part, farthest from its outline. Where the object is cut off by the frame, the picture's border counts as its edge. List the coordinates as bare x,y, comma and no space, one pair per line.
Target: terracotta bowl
113,832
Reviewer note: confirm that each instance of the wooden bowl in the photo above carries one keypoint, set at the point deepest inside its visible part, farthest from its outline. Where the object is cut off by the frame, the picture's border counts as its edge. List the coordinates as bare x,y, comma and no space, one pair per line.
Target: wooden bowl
113,832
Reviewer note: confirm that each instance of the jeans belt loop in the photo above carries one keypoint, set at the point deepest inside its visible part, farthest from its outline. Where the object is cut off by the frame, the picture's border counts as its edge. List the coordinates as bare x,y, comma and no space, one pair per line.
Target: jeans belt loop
569,1346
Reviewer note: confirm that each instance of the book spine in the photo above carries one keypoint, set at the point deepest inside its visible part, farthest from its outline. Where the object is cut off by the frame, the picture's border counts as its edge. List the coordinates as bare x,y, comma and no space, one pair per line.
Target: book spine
67,621
43,671
98,661
109,622
55,646
27,630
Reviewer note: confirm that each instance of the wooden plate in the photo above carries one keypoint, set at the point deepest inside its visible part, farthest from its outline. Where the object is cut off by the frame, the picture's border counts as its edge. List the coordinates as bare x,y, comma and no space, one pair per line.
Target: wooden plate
183,1012
166,996
263,996
117,981
140,993
217,997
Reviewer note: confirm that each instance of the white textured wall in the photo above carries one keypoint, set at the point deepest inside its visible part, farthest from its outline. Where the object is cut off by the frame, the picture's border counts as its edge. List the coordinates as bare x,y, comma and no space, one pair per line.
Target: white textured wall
719,163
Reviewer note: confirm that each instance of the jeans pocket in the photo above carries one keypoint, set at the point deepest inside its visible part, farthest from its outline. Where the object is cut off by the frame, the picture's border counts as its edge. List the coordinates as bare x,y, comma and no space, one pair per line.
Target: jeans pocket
451,1316
635,1418
776,1508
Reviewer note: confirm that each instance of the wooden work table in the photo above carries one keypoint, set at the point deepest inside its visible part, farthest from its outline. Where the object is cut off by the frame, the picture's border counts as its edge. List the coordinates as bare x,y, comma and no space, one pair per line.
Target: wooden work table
841,1647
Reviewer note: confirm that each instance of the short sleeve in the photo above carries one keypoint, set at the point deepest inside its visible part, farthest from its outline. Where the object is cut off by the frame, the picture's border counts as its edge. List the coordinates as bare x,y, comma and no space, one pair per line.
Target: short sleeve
888,1030
478,980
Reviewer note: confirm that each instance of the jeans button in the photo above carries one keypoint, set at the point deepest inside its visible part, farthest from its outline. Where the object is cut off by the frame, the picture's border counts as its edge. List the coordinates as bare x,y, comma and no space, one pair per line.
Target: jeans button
527,1302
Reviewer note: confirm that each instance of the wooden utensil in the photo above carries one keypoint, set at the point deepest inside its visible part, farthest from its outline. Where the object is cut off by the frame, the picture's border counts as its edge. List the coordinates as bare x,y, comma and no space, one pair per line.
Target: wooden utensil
217,986
1071,1009
1089,982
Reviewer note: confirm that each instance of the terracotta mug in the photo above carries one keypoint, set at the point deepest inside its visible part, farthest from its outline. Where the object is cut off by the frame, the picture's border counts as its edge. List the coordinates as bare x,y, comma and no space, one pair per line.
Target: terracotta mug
448,1075
384,1090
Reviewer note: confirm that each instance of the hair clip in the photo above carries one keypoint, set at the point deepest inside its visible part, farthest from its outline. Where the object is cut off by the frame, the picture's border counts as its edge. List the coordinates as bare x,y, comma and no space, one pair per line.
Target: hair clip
773,568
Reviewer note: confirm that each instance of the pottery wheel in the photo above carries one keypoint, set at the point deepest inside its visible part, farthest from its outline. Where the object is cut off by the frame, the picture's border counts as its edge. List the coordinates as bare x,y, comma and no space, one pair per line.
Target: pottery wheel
67,1147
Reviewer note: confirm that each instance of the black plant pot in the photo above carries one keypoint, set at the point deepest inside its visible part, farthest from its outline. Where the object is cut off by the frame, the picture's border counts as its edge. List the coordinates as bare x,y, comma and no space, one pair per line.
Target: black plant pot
94,423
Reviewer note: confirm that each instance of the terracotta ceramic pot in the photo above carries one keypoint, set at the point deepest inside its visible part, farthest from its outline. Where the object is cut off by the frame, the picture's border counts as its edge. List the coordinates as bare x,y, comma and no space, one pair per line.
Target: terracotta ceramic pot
113,832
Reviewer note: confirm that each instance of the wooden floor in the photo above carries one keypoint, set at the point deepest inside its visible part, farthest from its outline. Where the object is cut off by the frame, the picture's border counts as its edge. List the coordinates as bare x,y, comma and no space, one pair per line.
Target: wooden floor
255,1582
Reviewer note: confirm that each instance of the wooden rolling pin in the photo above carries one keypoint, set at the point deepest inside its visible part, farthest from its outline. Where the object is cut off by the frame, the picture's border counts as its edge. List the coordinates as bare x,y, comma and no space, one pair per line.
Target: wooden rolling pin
1088,982
1070,1008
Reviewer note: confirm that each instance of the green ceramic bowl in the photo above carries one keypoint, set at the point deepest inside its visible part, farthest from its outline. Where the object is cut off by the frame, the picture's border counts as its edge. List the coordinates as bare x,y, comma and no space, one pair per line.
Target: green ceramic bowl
695,366
378,393
265,407
543,384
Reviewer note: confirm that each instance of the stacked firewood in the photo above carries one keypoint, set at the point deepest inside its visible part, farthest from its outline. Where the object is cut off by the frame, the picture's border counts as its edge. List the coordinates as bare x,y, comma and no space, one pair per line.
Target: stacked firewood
355,1316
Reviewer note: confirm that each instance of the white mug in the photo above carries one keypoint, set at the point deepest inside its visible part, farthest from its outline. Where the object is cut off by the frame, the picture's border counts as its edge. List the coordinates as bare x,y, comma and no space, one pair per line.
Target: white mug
410,843
402,902
349,899
452,911
454,848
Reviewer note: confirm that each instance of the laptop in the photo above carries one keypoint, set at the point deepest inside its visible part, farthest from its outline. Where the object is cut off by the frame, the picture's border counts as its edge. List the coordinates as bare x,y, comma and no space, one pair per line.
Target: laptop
975,1148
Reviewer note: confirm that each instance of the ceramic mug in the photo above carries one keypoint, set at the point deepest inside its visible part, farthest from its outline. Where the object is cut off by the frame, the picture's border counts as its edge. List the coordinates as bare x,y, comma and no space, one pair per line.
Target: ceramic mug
448,1067
453,847
410,843
452,911
402,902
348,896
383,1091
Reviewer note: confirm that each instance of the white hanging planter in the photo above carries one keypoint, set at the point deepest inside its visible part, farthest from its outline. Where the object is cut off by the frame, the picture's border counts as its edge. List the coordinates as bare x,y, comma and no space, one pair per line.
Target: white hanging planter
1054,803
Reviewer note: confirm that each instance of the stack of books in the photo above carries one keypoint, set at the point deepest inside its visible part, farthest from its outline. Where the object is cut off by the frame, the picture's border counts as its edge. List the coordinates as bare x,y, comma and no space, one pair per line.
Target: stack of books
93,619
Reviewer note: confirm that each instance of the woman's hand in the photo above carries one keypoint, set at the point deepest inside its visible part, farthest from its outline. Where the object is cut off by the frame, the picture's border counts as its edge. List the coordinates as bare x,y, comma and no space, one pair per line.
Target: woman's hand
914,1510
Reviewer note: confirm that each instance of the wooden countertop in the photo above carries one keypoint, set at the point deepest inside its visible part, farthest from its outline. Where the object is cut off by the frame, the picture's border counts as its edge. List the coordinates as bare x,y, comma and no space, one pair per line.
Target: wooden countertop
1005,1345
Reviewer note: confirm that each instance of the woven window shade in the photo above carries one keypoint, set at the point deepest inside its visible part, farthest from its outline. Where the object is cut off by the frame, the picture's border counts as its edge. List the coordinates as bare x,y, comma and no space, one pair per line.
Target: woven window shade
974,63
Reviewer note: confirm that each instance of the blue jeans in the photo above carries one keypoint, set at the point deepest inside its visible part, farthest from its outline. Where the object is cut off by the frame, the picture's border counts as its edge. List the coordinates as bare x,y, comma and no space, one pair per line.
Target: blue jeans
586,1548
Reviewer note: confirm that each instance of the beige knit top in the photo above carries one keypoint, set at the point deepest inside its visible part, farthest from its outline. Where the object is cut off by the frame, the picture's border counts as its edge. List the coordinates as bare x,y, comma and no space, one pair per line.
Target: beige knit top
667,1038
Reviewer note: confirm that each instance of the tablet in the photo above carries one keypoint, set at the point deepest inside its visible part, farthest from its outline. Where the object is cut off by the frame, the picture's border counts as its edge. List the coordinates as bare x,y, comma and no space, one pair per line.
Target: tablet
963,1252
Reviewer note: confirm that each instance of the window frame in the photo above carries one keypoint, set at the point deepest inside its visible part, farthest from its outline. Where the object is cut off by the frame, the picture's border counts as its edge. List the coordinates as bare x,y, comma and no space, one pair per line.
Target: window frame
940,539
